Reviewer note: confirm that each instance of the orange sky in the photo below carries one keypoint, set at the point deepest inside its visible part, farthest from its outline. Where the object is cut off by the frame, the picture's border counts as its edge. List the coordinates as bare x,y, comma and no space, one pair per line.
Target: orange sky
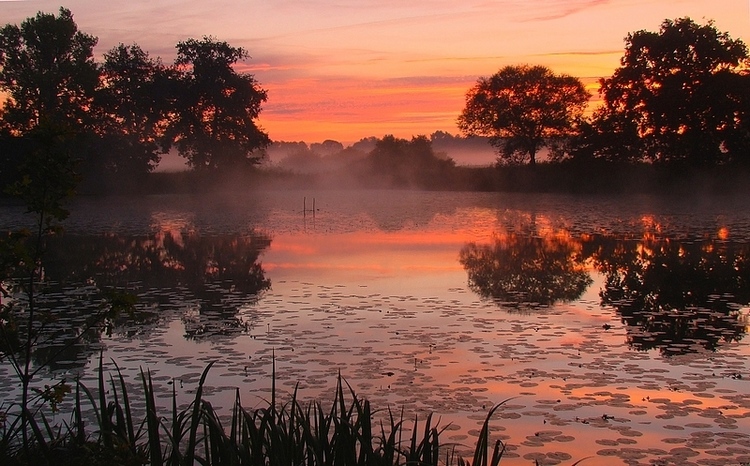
345,70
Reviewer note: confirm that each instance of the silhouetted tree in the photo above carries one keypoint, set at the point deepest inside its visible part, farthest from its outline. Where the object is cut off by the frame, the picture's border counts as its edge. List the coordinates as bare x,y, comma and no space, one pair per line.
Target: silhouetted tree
216,107
365,145
522,109
608,136
47,69
402,163
327,147
302,161
683,92
133,105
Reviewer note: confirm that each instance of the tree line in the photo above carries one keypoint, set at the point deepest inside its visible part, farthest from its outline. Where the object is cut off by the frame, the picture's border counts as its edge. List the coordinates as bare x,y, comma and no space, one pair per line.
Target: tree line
114,119
681,96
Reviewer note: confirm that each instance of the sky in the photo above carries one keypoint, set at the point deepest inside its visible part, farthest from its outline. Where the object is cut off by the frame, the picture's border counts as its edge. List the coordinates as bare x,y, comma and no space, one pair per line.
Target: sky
349,69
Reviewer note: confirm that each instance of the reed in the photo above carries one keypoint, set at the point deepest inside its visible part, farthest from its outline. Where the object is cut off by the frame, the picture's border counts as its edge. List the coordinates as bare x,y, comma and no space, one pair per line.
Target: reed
287,434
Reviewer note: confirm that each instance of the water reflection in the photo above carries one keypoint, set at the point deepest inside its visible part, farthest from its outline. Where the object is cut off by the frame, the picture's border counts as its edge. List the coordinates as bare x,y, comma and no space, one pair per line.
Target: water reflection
219,272
675,296
518,269
205,279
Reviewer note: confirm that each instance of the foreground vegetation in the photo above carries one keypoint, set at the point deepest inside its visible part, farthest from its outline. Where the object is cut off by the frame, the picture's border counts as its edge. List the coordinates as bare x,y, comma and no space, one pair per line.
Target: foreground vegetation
278,434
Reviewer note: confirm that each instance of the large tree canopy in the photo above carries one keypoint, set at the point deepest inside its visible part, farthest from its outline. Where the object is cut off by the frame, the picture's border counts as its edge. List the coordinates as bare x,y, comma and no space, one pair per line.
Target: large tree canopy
47,69
522,109
117,117
133,104
216,107
685,91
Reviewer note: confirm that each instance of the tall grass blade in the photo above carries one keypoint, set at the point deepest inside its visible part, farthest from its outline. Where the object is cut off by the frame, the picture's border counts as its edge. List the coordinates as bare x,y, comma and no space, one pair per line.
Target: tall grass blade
38,436
105,425
174,455
92,401
152,420
80,428
196,417
129,426
273,381
480,451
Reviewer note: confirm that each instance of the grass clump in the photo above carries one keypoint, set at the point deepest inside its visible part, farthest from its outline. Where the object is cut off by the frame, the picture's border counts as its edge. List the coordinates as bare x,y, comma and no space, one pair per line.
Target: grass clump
288,434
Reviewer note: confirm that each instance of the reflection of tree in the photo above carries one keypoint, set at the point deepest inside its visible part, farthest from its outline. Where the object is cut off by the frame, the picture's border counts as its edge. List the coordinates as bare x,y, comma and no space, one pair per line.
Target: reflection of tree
207,278
216,275
524,269
677,294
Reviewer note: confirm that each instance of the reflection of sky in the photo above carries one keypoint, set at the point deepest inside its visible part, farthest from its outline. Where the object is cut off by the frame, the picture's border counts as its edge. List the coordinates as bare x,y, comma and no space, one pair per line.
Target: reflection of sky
347,70
379,253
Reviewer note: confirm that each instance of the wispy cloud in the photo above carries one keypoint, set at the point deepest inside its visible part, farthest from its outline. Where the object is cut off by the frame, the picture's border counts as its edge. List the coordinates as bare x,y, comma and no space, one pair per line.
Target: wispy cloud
338,66
549,10
582,53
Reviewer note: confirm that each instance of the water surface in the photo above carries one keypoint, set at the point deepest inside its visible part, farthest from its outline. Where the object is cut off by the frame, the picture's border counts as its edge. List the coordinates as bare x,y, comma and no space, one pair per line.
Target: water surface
615,327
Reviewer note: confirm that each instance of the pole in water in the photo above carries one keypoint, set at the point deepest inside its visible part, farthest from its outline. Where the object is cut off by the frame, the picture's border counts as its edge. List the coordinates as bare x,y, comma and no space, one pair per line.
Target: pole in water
304,206
313,207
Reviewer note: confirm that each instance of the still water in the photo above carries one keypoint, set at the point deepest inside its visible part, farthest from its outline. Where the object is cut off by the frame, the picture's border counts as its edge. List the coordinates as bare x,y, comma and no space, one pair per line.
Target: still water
615,327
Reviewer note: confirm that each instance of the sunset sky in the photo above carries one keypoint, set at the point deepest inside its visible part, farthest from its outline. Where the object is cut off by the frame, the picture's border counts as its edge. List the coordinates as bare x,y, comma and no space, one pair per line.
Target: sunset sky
348,69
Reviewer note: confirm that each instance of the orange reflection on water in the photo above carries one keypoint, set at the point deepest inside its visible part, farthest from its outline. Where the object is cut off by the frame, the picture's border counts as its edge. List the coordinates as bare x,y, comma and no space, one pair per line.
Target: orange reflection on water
171,223
376,252
650,225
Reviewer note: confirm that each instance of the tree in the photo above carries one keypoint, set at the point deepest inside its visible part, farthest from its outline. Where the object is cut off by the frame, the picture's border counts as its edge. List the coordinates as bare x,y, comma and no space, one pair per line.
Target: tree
216,107
686,91
523,109
608,136
327,147
47,69
133,105
402,163
48,72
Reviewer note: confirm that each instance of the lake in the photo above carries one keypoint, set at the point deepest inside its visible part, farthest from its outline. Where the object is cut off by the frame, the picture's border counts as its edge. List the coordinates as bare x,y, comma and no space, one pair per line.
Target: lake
615,327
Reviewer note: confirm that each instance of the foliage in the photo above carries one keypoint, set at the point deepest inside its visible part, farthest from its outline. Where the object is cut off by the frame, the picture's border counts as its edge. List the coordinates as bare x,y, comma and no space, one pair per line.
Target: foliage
133,105
47,177
128,110
215,107
607,136
402,163
326,148
523,109
681,95
47,68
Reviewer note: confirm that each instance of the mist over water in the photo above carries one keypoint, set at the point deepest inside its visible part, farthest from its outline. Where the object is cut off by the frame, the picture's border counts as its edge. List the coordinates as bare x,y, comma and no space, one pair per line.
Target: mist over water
617,325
